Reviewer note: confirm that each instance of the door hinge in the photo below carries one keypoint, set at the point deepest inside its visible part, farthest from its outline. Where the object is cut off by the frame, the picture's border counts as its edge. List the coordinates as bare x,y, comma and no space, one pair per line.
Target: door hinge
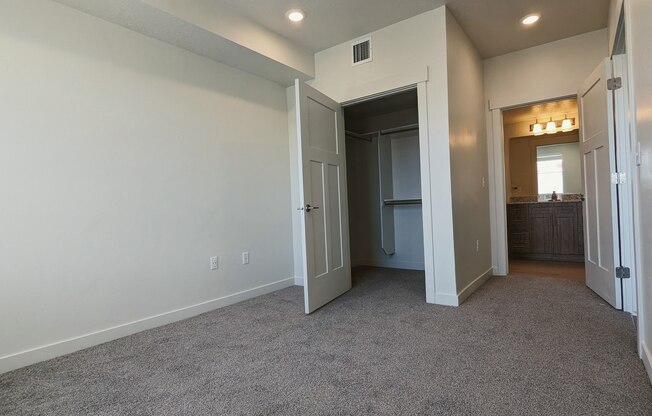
622,272
618,178
614,83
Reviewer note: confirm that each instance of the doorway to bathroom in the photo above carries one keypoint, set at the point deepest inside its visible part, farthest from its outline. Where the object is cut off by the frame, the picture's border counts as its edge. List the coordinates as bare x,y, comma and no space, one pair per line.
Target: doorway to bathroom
543,183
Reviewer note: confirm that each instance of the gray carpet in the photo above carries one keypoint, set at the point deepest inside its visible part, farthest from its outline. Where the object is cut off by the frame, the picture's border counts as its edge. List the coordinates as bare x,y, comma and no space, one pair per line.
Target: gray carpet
518,346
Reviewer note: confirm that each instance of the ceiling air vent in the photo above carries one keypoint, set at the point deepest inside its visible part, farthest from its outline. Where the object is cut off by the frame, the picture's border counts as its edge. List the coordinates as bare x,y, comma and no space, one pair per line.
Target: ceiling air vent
362,51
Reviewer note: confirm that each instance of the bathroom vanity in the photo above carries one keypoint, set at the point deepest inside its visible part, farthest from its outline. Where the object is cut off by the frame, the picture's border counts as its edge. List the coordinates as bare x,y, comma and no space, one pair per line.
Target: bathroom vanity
546,230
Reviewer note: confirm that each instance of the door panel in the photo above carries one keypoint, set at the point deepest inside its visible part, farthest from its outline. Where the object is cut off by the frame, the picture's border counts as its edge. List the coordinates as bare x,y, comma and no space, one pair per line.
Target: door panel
322,164
566,233
316,221
590,208
335,204
597,143
322,127
541,231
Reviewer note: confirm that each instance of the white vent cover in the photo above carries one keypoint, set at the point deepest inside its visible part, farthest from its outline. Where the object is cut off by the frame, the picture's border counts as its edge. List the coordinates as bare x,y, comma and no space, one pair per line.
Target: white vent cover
361,51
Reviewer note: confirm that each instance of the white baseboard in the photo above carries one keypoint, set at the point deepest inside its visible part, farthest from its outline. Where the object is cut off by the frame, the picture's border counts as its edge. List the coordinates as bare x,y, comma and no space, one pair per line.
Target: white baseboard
474,285
298,281
446,299
646,356
497,272
390,264
56,349
450,299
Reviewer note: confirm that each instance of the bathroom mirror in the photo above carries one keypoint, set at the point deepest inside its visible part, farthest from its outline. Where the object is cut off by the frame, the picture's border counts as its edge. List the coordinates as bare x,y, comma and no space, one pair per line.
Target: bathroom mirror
558,169
539,165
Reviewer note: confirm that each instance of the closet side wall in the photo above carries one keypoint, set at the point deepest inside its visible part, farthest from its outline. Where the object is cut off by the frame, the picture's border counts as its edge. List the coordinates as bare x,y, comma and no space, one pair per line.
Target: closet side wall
469,170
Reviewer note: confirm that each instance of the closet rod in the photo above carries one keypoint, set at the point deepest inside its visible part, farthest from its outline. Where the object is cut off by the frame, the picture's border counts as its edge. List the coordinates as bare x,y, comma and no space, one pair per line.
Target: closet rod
401,129
407,201
366,136
358,136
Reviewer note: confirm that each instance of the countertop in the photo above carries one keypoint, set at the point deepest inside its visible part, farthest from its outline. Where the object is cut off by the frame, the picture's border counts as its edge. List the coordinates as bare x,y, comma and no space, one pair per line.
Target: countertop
545,202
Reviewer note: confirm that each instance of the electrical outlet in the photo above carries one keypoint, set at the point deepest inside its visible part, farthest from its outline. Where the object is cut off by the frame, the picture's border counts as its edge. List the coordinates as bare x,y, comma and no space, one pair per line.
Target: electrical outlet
245,257
477,246
484,182
213,262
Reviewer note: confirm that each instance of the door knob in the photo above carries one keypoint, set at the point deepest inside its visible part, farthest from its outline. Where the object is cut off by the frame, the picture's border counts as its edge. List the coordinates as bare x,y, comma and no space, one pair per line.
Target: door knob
307,208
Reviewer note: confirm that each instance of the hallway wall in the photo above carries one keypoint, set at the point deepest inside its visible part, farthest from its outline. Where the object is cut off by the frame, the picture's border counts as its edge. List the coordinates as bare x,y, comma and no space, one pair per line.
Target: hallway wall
469,171
537,74
544,72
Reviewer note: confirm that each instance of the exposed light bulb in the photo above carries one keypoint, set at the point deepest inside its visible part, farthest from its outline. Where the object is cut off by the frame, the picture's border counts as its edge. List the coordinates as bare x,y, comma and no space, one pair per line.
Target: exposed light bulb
551,127
567,124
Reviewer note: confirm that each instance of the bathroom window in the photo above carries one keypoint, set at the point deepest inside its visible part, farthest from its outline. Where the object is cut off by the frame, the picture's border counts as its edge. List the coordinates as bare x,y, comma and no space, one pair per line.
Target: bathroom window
550,174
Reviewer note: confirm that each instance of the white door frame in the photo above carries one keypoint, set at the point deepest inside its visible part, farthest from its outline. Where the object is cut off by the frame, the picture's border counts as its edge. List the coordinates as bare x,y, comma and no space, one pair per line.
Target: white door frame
640,296
498,194
497,186
426,196
626,160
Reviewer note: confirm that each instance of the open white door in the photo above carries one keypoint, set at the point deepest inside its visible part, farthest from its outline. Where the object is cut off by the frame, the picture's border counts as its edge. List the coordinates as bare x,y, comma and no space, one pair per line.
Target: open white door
597,143
325,223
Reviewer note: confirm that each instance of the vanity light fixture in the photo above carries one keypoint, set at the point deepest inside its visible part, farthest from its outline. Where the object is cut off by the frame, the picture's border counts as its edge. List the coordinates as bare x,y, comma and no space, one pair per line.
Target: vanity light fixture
537,128
551,127
295,15
530,19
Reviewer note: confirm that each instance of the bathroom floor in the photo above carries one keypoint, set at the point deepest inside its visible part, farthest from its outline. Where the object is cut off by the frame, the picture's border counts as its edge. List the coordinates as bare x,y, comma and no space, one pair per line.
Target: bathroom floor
562,270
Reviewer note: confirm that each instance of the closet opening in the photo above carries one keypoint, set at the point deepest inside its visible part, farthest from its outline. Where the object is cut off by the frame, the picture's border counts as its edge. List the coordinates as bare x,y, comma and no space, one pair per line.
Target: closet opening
384,190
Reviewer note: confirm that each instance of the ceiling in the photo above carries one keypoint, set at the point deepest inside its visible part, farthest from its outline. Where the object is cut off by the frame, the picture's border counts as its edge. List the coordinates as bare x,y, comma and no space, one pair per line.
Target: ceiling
493,25
328,22
555,109
385,105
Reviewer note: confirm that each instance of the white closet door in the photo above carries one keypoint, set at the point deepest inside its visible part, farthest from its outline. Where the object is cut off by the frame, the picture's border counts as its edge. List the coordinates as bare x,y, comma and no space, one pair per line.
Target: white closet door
327,263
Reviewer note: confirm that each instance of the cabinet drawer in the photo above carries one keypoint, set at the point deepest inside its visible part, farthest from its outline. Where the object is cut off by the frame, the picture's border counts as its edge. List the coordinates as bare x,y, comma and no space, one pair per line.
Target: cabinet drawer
517,212
519,242
518,226
537,210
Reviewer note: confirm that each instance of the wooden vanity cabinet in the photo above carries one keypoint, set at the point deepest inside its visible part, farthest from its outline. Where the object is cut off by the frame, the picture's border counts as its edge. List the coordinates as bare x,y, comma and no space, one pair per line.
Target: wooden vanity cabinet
546,231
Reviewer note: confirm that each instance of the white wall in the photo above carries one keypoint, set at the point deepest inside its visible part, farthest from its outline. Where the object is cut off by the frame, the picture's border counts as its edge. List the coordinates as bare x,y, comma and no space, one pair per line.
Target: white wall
638,15
468,152
218,19
541,73
407,53
125,163
404,53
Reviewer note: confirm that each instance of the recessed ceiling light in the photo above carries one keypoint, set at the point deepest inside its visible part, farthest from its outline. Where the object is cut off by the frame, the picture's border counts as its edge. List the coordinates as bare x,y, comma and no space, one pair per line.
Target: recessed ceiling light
530,19
295,15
